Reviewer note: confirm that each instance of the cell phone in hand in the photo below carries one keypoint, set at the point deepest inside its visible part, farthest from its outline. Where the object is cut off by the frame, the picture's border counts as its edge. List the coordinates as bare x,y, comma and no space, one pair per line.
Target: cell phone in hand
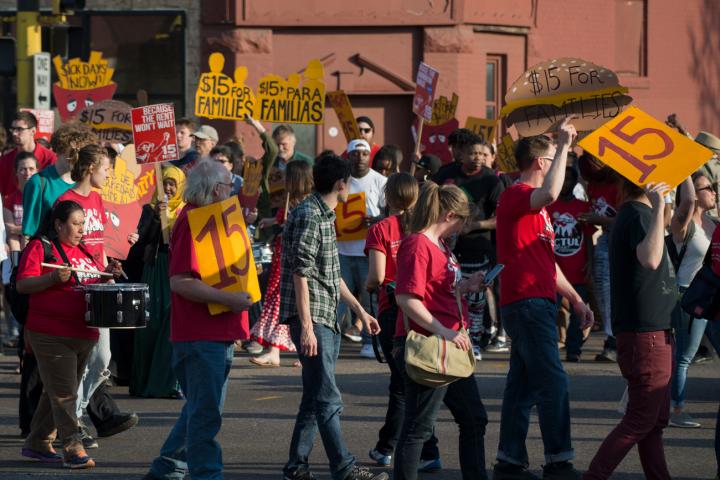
493,273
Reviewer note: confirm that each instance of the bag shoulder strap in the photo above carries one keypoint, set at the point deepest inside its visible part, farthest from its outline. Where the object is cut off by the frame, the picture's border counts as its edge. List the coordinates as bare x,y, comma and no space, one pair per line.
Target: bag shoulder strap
688,236
65,259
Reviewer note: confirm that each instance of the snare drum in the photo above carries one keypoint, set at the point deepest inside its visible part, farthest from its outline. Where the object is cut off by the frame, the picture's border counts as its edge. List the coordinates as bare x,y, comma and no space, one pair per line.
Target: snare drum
119,305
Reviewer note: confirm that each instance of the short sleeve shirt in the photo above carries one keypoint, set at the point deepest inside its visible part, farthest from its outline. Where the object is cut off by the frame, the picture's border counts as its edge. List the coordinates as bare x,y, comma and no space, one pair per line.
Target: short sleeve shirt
571,252
95,220
385,237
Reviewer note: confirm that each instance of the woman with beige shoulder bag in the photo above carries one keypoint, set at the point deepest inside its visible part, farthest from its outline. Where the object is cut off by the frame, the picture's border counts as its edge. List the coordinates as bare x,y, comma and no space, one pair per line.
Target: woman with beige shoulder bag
431,344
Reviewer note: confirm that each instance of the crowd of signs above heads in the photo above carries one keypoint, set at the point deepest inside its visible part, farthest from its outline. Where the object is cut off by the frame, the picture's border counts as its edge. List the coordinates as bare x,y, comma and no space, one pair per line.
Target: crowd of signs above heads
299,98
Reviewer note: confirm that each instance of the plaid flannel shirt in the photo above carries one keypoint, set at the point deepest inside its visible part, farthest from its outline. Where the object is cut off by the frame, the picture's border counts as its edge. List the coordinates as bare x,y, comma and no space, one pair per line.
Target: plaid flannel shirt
309,249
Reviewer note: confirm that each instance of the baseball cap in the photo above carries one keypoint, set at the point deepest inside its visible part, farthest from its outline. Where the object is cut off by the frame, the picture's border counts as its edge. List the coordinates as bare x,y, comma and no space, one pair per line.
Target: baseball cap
206,132
429,162
709,140
358,144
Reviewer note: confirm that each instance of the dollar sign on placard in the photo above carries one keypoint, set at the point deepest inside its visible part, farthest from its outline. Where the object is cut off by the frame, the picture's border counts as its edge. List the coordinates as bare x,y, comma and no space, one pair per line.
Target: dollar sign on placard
536,86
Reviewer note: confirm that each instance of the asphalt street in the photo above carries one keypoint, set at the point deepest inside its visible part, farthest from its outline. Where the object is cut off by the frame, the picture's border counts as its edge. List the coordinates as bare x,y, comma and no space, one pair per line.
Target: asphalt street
262,402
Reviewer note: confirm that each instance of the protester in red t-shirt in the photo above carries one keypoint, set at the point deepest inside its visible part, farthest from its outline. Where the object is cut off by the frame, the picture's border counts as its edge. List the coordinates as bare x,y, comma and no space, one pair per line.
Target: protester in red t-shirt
573,253
25,167
56,332
429,284
23,130
202,343
528,287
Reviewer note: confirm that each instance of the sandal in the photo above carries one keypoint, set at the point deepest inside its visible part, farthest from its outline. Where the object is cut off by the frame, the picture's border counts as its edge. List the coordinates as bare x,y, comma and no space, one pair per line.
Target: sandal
51,456
263,363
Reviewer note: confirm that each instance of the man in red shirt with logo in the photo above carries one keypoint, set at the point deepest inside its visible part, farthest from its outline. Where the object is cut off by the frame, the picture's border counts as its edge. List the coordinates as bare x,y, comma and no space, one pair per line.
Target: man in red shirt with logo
23,130
528,287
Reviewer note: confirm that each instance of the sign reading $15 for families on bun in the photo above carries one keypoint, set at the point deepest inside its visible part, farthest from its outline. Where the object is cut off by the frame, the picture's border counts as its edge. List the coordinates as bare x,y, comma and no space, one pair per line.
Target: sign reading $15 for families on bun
154,136
550,91
644,150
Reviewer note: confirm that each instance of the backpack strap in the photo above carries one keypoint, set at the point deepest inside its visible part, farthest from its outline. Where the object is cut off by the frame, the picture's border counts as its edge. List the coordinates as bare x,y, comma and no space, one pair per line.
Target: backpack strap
65,259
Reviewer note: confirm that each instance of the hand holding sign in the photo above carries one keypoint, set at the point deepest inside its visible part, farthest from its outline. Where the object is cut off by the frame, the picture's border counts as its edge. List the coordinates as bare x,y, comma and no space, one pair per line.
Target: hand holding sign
644,150
350,218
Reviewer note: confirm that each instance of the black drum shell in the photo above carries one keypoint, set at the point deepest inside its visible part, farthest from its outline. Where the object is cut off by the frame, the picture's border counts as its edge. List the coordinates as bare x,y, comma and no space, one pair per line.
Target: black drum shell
123,305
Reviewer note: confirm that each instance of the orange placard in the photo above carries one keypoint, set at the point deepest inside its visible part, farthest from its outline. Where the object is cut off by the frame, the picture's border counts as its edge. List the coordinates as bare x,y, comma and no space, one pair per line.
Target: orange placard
482,127
645,150
341,104
350,218
506,155
223,250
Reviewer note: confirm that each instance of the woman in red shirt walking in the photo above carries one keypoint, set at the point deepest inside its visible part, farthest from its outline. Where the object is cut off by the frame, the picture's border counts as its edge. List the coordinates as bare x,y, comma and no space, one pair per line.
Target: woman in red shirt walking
428,283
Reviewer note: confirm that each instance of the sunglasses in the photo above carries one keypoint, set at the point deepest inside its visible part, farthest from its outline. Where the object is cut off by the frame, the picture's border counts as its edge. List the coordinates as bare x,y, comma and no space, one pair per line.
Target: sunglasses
708,188
365,130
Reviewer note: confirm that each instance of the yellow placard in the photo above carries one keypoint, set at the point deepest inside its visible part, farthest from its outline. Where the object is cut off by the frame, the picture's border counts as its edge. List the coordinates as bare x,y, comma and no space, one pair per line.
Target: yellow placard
252,177
219,96
79,75
443,109
506,155
350,218
223,250
483,127
298,99
645,150
341,104
120,187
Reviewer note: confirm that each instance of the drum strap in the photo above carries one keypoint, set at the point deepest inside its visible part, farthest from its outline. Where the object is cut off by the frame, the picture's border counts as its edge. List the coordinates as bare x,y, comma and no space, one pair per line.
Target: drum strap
65,259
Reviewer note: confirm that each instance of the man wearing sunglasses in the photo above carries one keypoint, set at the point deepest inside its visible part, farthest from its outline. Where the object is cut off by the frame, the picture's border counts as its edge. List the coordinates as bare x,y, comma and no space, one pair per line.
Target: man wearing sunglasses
22,132
367,133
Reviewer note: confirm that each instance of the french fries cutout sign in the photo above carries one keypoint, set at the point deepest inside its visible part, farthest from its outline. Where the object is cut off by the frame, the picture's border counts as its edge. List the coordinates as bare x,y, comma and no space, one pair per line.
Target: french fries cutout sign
81,84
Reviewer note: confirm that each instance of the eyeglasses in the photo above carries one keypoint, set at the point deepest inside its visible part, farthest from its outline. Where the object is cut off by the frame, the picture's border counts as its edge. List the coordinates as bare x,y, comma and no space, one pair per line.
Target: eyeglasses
226,184
19,129
365,130
548,158
708,188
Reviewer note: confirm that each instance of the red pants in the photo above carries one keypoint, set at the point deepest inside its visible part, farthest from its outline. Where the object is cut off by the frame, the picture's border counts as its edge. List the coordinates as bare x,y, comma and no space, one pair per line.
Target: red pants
646,362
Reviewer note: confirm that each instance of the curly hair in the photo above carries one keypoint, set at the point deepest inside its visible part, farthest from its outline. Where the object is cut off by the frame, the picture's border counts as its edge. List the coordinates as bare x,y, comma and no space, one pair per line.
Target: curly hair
70,138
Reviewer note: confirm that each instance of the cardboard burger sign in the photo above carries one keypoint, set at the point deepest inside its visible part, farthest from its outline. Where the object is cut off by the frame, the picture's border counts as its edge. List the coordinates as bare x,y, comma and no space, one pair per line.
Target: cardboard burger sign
553,90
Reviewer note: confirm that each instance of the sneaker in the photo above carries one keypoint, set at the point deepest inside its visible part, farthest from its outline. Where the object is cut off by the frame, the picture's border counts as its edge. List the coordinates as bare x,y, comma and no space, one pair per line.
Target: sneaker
498,346
116,424
78,461
380,458
87,440
683,420
362,473
299,475
607,355
252,347
353,334
560,471
429,466
573,357
510,471
46,457
477,352
367,351
701,358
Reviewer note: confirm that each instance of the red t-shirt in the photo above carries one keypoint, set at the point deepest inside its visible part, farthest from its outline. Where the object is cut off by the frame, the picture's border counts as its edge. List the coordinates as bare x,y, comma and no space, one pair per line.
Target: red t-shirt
430,274
191,321
604,198
95,219
571,235
525,241
14,203
385,237
8,179
60,309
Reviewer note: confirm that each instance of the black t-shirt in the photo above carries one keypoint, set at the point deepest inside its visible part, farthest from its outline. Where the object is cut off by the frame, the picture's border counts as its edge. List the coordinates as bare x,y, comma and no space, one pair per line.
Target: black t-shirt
452,173
642,299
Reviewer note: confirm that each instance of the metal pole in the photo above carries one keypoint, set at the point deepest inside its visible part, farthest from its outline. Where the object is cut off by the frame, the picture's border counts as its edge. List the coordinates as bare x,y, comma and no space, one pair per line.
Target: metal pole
29,42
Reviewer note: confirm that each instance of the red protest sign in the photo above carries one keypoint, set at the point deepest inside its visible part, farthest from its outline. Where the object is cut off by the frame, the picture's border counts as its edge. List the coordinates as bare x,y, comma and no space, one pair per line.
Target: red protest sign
425,88
153,129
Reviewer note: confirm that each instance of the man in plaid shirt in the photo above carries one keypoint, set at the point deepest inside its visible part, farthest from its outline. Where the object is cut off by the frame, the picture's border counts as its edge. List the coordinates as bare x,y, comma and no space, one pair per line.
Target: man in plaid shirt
310,290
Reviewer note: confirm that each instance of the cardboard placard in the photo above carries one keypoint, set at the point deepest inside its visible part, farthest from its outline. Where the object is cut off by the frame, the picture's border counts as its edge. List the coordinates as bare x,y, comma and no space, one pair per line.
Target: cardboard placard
220,97
298,99
505,158
645,150
341,104
434,139
82,84
550,91
154,133
223,250
45,122
350,218
252,178
110,120
485,128
425,89
444,109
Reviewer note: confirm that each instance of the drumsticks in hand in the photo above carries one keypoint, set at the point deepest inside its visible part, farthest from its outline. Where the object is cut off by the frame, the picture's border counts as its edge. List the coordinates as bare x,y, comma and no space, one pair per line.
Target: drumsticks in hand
78,270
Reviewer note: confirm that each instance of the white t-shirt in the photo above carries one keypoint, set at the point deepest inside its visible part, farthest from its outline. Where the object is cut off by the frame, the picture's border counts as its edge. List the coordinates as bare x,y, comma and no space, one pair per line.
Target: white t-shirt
373,184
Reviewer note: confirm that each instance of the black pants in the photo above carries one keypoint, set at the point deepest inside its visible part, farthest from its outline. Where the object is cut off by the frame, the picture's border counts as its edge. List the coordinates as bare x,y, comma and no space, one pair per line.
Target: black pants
390,431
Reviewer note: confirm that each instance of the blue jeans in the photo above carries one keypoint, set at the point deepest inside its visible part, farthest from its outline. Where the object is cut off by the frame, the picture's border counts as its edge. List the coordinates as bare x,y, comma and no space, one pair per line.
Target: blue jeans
573,341
536,377
354,272
601,280
687,341
320,406
202,368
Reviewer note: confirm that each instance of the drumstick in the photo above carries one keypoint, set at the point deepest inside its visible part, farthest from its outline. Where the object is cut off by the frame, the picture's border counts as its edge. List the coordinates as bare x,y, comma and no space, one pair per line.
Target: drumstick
79,270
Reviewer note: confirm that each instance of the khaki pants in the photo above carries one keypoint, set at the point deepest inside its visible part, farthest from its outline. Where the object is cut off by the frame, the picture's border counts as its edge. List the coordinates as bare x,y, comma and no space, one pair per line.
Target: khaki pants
61,363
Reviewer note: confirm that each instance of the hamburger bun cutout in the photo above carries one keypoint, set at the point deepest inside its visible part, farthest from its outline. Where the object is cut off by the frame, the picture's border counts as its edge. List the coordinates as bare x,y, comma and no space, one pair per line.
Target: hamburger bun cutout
553,90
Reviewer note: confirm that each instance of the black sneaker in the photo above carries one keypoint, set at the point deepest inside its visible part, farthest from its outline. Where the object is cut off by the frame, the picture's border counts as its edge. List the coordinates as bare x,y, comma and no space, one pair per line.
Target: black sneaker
572,357
510,471
560,471
116,424
362,473
607,355
87,440
299,475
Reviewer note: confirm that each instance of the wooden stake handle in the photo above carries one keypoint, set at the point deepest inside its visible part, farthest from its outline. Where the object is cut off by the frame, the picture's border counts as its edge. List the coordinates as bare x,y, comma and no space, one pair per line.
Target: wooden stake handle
163,214
421,122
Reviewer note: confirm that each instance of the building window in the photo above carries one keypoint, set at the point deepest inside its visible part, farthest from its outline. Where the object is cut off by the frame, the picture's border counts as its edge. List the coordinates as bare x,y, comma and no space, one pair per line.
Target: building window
495,83
631,37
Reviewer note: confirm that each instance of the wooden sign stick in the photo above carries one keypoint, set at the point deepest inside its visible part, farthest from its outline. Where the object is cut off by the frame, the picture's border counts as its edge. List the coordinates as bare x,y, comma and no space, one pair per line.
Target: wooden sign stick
162,213
421,122
287,206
